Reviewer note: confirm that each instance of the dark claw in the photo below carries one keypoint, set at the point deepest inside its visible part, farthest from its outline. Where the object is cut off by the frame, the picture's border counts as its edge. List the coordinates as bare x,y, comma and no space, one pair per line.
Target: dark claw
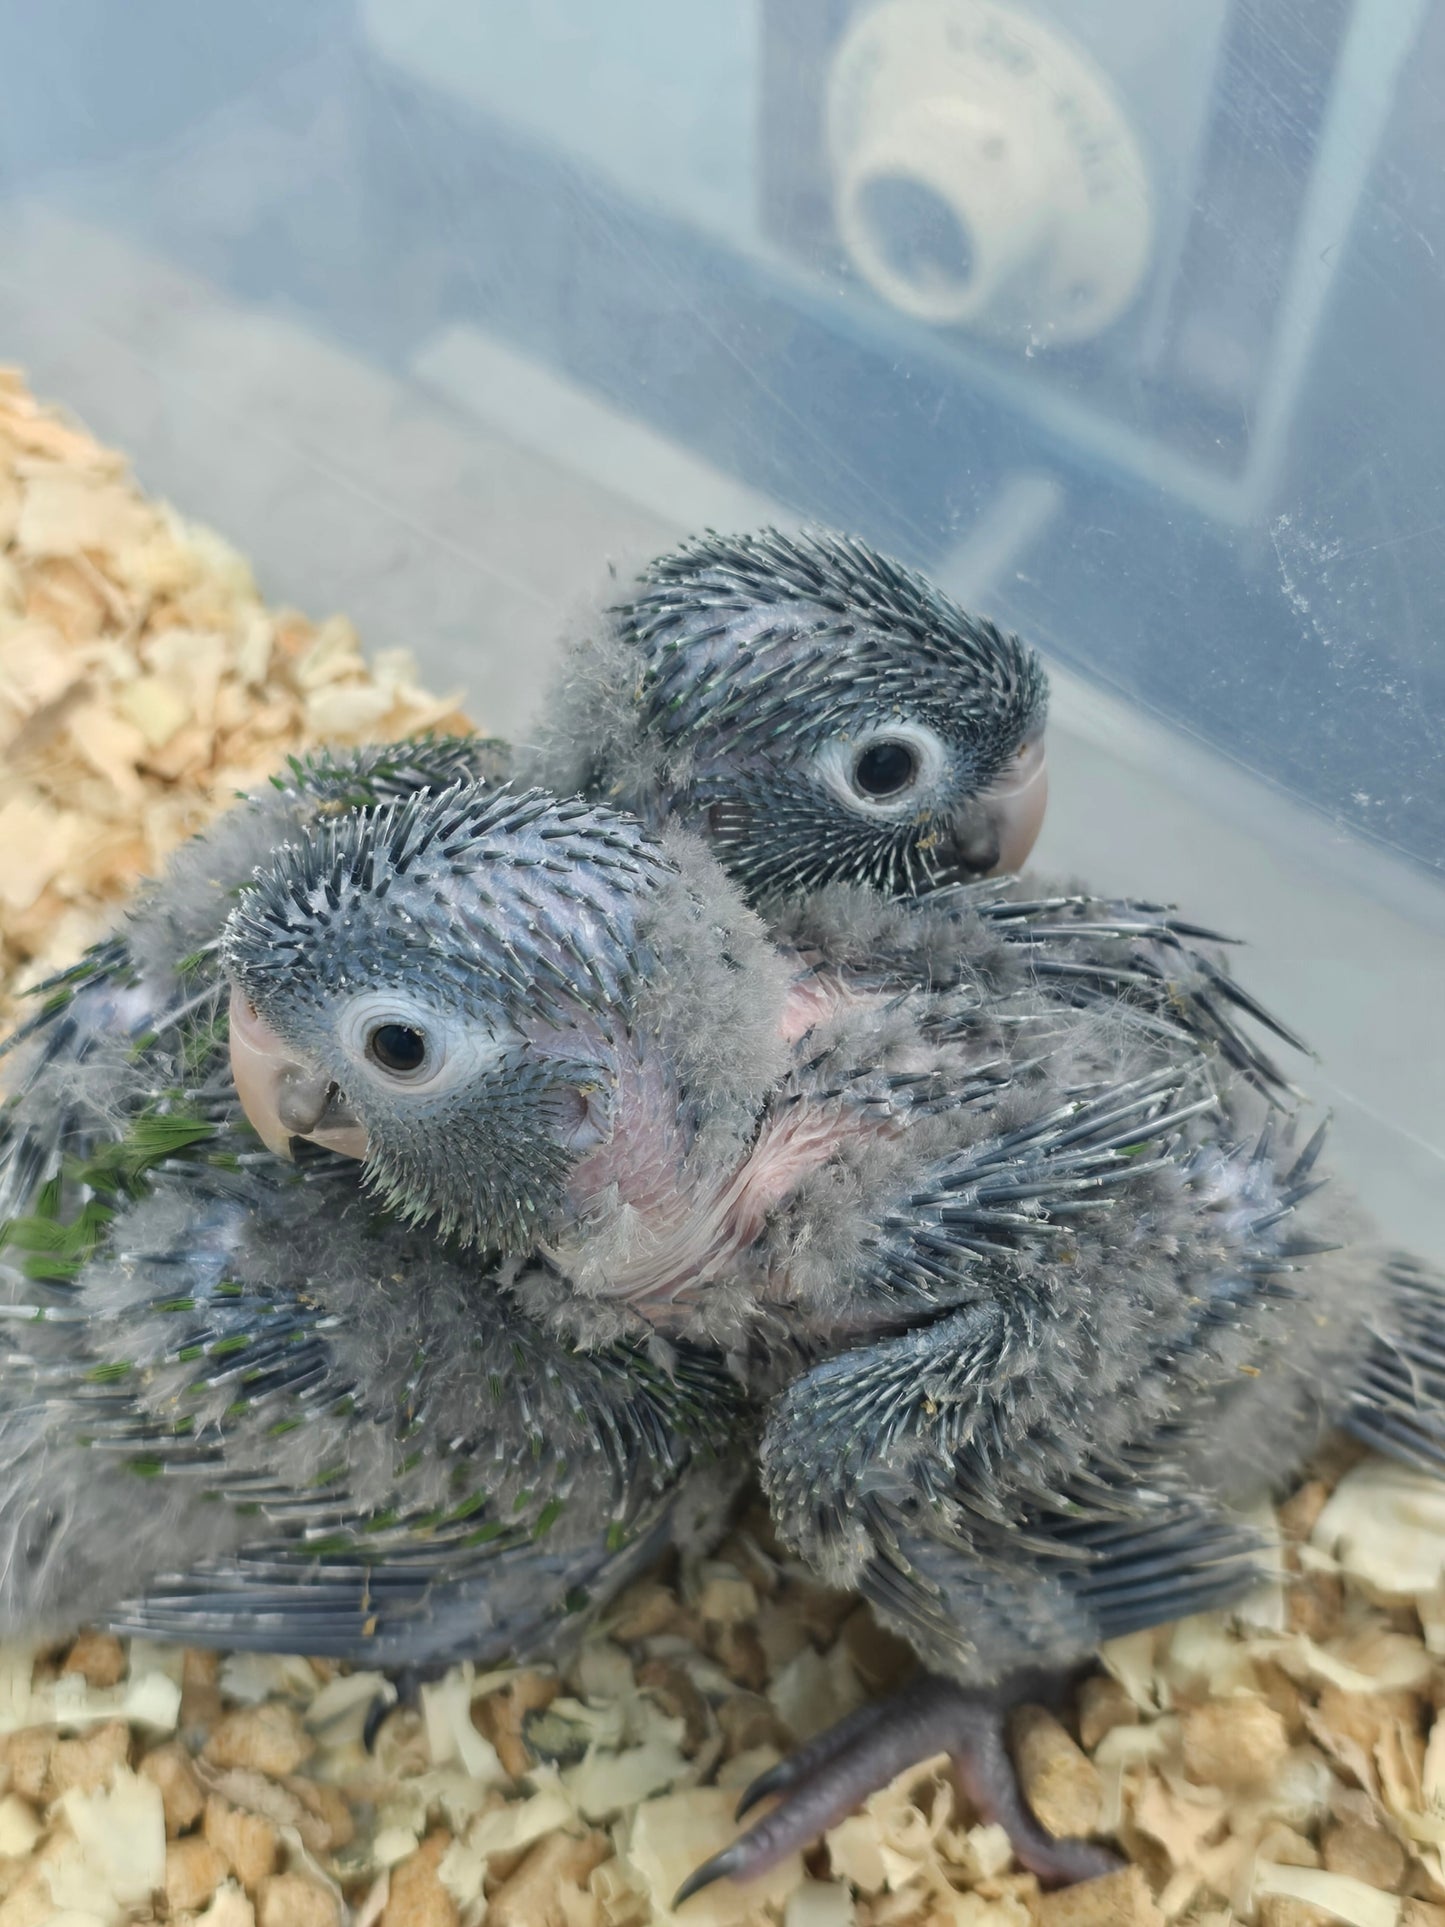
377,1714
776,1779
720,1867
814,1755
834,1772
407,1683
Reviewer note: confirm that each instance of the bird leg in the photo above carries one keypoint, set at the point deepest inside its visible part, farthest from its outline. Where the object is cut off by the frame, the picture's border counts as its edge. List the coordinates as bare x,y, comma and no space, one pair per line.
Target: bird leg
824,1781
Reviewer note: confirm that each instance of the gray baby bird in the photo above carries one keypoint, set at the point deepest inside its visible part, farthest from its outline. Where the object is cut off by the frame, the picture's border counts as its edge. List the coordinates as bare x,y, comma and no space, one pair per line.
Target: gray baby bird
240,1402
841,733
1037,1324
821,713
838,731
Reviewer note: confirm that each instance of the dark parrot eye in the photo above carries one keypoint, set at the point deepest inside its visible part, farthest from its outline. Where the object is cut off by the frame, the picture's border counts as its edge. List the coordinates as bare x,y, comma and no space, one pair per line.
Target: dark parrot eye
397,1048
884,769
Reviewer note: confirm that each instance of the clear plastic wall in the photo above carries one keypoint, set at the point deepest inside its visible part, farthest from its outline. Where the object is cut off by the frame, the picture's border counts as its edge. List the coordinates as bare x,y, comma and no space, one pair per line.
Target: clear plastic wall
1122,319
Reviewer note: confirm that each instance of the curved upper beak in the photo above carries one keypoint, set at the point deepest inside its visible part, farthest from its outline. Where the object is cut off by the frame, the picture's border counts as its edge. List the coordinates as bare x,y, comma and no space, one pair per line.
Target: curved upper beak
1017,801
283,1097
1000,825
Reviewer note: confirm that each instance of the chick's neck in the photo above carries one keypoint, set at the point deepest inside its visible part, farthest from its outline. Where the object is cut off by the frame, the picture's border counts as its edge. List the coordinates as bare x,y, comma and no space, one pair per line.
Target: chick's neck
674,1202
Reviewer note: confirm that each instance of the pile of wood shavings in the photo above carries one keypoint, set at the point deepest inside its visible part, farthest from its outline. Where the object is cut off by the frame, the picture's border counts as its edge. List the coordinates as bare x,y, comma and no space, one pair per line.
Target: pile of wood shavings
142,683
1282,1765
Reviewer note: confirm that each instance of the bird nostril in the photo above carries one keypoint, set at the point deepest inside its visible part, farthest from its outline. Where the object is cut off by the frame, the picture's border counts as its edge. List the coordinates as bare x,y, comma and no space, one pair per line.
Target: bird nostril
335,1110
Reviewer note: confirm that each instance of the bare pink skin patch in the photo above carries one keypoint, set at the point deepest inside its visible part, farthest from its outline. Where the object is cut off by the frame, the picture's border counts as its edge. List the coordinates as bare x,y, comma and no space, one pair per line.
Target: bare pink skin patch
683,1234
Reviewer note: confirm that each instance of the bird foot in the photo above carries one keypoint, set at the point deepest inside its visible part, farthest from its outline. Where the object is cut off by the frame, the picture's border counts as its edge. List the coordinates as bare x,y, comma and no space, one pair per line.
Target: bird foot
824,1781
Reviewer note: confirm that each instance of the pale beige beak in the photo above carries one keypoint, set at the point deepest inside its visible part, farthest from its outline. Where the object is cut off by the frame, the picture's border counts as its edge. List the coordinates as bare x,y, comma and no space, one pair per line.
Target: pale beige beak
1016,802
283,1097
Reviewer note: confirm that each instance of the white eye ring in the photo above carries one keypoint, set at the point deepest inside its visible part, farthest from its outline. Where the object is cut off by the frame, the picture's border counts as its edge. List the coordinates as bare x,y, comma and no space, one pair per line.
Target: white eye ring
455,1050
837,763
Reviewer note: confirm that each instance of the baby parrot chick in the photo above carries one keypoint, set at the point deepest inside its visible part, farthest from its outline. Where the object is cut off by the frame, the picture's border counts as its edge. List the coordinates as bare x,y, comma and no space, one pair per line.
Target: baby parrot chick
837,730
240,1402
840,731
1038,1326
819,712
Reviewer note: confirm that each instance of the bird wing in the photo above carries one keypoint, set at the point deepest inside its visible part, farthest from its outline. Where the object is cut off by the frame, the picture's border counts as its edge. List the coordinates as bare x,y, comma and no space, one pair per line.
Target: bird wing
1026,1187
1091,950
373,1452
903,1468
1082,1303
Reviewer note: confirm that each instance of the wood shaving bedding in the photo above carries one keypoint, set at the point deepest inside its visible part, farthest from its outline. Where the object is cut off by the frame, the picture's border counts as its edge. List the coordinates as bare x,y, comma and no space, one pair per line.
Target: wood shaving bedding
143,681
1280,1765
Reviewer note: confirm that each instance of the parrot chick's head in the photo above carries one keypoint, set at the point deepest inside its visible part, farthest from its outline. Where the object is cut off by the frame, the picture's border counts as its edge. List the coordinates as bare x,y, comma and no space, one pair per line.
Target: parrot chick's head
437,987
819,713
